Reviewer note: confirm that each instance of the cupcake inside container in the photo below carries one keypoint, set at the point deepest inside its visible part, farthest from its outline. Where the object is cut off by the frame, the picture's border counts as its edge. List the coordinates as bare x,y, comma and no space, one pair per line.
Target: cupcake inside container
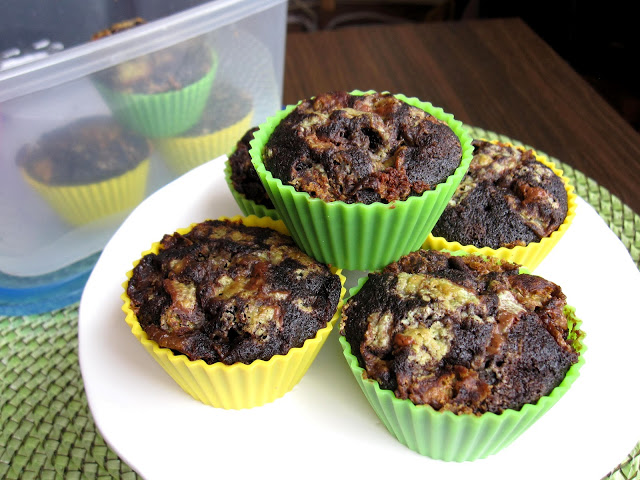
227,116
154,109
240,384
529,255
438,432
90,169
360,236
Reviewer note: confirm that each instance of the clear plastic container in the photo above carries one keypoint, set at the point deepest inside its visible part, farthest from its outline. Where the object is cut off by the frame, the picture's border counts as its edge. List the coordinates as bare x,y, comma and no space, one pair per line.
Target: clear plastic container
204,72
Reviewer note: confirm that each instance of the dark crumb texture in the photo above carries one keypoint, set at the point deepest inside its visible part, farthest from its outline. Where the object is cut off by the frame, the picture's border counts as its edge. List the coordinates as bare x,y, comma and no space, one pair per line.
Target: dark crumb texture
464,334
229,293
244,177
506,199
361,149
86,151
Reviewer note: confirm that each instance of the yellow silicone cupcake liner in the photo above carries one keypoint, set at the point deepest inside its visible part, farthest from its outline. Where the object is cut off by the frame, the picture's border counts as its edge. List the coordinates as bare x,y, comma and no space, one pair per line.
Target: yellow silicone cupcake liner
443,435
530,255
185,153
81,204
236,386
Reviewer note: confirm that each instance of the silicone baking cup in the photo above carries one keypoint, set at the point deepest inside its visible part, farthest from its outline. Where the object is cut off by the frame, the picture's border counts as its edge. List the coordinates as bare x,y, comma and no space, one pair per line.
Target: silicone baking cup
185,153
236,386
358,236
81,204
247,206
530,255
443,435
164,114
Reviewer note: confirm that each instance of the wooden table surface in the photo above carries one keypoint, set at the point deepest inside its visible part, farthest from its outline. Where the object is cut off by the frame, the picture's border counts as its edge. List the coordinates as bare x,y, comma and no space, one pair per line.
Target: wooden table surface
495,74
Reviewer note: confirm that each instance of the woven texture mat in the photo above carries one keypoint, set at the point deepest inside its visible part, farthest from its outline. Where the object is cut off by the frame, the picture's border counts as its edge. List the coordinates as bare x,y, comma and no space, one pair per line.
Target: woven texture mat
46,428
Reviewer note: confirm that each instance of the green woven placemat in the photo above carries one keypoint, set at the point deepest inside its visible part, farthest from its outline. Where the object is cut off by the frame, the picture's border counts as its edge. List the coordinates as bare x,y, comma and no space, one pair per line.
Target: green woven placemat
46,429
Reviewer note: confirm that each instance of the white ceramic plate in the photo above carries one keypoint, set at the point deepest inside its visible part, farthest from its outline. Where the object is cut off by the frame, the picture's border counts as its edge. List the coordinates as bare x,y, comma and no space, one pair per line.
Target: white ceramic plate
325,424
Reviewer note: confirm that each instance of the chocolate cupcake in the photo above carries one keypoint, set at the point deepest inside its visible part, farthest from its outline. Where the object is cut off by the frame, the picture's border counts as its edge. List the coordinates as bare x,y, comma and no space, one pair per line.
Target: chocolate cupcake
464,347
512,203
89,169
234,303
360,178
160,94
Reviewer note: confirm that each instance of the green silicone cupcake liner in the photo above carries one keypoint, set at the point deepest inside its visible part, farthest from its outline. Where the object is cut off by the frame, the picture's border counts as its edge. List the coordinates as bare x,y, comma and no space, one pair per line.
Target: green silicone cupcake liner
357,236
161,114
458,438
248,207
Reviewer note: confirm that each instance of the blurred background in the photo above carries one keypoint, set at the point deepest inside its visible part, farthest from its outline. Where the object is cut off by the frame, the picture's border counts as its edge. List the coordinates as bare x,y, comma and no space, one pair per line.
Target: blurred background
598,39
39,95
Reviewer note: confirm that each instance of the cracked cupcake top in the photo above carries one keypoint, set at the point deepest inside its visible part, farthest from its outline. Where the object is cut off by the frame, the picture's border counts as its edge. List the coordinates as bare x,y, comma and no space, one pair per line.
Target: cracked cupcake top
226,292
361,149
465,334
507,198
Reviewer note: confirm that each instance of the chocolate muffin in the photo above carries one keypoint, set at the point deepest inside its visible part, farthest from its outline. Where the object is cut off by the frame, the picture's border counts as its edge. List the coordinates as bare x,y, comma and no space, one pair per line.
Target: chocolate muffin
170,69
361,148
466,334
507,198
226,292
86,151
244,177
